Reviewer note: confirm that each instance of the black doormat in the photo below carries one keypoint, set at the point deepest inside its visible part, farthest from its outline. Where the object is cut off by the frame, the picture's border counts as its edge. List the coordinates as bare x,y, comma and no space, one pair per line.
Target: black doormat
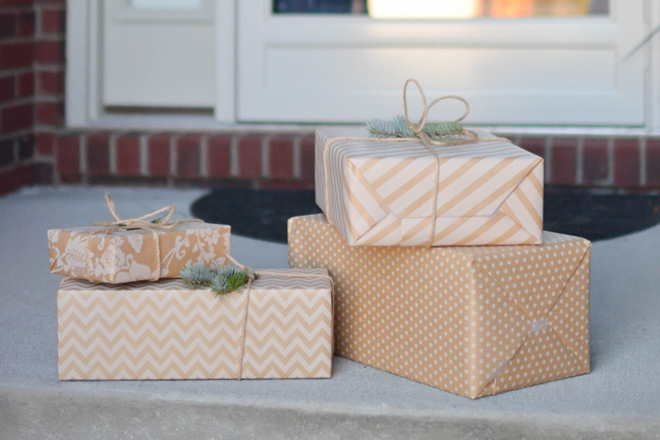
593,215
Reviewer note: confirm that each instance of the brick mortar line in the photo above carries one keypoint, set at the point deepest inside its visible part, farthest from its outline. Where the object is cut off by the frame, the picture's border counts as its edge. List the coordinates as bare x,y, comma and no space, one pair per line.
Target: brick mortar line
16,71
265,156
18,39
143,155
38,20
56,173
48,99
15,149
42,128
579,161
112,155
234,156
173,161
40,38
296,170
84,171
20,101
41,158
23,9
610,161
40,65
642,162
203,155
15,134
49,68
13,167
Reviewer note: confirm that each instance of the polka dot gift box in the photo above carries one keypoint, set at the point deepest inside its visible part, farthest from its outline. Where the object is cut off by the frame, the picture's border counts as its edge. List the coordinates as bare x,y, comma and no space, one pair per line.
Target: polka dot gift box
474,321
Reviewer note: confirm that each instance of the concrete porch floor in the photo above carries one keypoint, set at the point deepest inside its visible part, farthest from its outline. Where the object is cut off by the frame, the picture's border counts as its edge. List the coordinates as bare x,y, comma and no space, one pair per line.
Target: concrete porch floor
619,399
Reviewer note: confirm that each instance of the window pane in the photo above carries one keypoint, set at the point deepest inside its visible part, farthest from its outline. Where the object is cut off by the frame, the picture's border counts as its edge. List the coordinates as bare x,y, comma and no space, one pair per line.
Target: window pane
447,8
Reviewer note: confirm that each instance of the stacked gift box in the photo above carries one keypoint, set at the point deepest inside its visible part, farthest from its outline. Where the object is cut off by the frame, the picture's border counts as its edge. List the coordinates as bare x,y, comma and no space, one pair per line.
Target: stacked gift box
443,273
123,312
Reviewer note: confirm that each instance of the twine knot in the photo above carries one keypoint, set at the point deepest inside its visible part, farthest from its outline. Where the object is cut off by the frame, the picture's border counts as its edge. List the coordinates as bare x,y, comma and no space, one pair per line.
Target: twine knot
143,222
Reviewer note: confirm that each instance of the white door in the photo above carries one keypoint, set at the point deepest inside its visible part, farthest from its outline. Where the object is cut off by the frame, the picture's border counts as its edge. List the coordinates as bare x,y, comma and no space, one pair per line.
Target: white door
518,71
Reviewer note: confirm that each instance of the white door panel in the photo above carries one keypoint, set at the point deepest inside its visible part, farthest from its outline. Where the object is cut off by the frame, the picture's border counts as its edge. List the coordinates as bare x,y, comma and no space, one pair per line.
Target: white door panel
158,56
310,68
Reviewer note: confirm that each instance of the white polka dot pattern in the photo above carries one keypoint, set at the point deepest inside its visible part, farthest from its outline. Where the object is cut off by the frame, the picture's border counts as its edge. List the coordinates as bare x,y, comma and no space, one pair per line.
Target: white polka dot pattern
471,320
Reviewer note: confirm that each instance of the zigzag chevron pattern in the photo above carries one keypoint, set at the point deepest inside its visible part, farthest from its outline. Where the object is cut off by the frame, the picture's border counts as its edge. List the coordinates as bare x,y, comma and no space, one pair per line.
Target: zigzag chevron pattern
292,338
381,191
165,331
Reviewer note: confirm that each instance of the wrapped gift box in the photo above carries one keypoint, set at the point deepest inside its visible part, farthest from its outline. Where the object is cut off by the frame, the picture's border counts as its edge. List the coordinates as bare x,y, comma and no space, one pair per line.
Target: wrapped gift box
163,330
471,320
379,192
122,256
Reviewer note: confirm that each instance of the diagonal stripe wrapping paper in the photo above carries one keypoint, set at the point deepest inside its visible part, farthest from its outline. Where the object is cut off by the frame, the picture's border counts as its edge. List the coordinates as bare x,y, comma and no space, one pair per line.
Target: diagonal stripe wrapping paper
472,320
163,330
380,191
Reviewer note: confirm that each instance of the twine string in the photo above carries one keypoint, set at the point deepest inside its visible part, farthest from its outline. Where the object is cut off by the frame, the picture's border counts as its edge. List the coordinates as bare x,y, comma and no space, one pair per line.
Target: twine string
255,275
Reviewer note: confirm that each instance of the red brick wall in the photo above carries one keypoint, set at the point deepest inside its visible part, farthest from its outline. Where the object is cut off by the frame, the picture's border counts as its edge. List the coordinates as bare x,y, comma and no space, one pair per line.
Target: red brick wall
31,88
35,147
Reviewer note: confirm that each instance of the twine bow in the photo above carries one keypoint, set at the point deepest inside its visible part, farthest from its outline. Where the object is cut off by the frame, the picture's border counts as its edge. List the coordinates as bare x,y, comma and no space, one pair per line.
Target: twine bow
255,275
143,222
418,127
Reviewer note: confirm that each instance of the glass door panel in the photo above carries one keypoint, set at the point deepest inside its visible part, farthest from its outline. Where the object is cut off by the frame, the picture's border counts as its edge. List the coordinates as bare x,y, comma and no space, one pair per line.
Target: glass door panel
446,8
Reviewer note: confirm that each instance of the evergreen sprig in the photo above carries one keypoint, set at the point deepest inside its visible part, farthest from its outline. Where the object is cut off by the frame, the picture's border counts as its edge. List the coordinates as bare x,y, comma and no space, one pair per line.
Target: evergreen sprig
398,127
222,281
228,279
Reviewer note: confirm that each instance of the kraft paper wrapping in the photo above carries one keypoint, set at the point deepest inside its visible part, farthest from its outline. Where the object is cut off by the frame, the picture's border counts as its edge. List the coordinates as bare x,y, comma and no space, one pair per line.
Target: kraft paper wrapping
122,256
474,321
380,191
163,330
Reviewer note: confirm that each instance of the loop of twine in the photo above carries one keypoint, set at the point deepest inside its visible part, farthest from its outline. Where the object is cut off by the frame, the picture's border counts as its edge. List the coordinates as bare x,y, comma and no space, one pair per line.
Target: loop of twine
254,275
138,223
468,137
418,129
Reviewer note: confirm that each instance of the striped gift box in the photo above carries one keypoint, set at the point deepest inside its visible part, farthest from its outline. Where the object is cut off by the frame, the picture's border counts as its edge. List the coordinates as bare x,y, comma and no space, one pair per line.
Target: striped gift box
379,192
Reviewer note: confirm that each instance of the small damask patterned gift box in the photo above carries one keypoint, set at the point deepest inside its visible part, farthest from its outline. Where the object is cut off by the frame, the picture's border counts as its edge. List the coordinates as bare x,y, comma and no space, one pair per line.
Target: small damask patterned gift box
279,327
139,249
471,320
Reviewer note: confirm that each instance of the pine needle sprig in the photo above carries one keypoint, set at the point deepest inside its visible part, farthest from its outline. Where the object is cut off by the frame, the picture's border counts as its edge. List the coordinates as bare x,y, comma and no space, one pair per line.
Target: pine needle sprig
398,128
228,279
222,281
196,276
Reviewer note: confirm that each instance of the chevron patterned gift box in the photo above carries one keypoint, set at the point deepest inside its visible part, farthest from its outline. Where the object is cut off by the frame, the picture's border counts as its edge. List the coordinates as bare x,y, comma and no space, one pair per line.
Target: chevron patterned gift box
394,192
279,328
473,320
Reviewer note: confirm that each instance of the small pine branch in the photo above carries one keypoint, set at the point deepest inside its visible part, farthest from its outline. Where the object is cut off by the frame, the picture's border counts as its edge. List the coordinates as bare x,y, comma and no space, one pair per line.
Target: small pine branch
196,276
398,127
222,281
228,279
438,130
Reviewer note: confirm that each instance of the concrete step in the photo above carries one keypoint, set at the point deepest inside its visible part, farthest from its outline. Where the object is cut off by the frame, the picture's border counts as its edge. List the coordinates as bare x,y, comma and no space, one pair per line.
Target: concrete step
619,399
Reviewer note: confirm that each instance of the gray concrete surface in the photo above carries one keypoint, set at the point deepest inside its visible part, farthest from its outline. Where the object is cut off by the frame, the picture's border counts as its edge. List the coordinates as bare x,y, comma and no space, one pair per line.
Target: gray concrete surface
619,399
